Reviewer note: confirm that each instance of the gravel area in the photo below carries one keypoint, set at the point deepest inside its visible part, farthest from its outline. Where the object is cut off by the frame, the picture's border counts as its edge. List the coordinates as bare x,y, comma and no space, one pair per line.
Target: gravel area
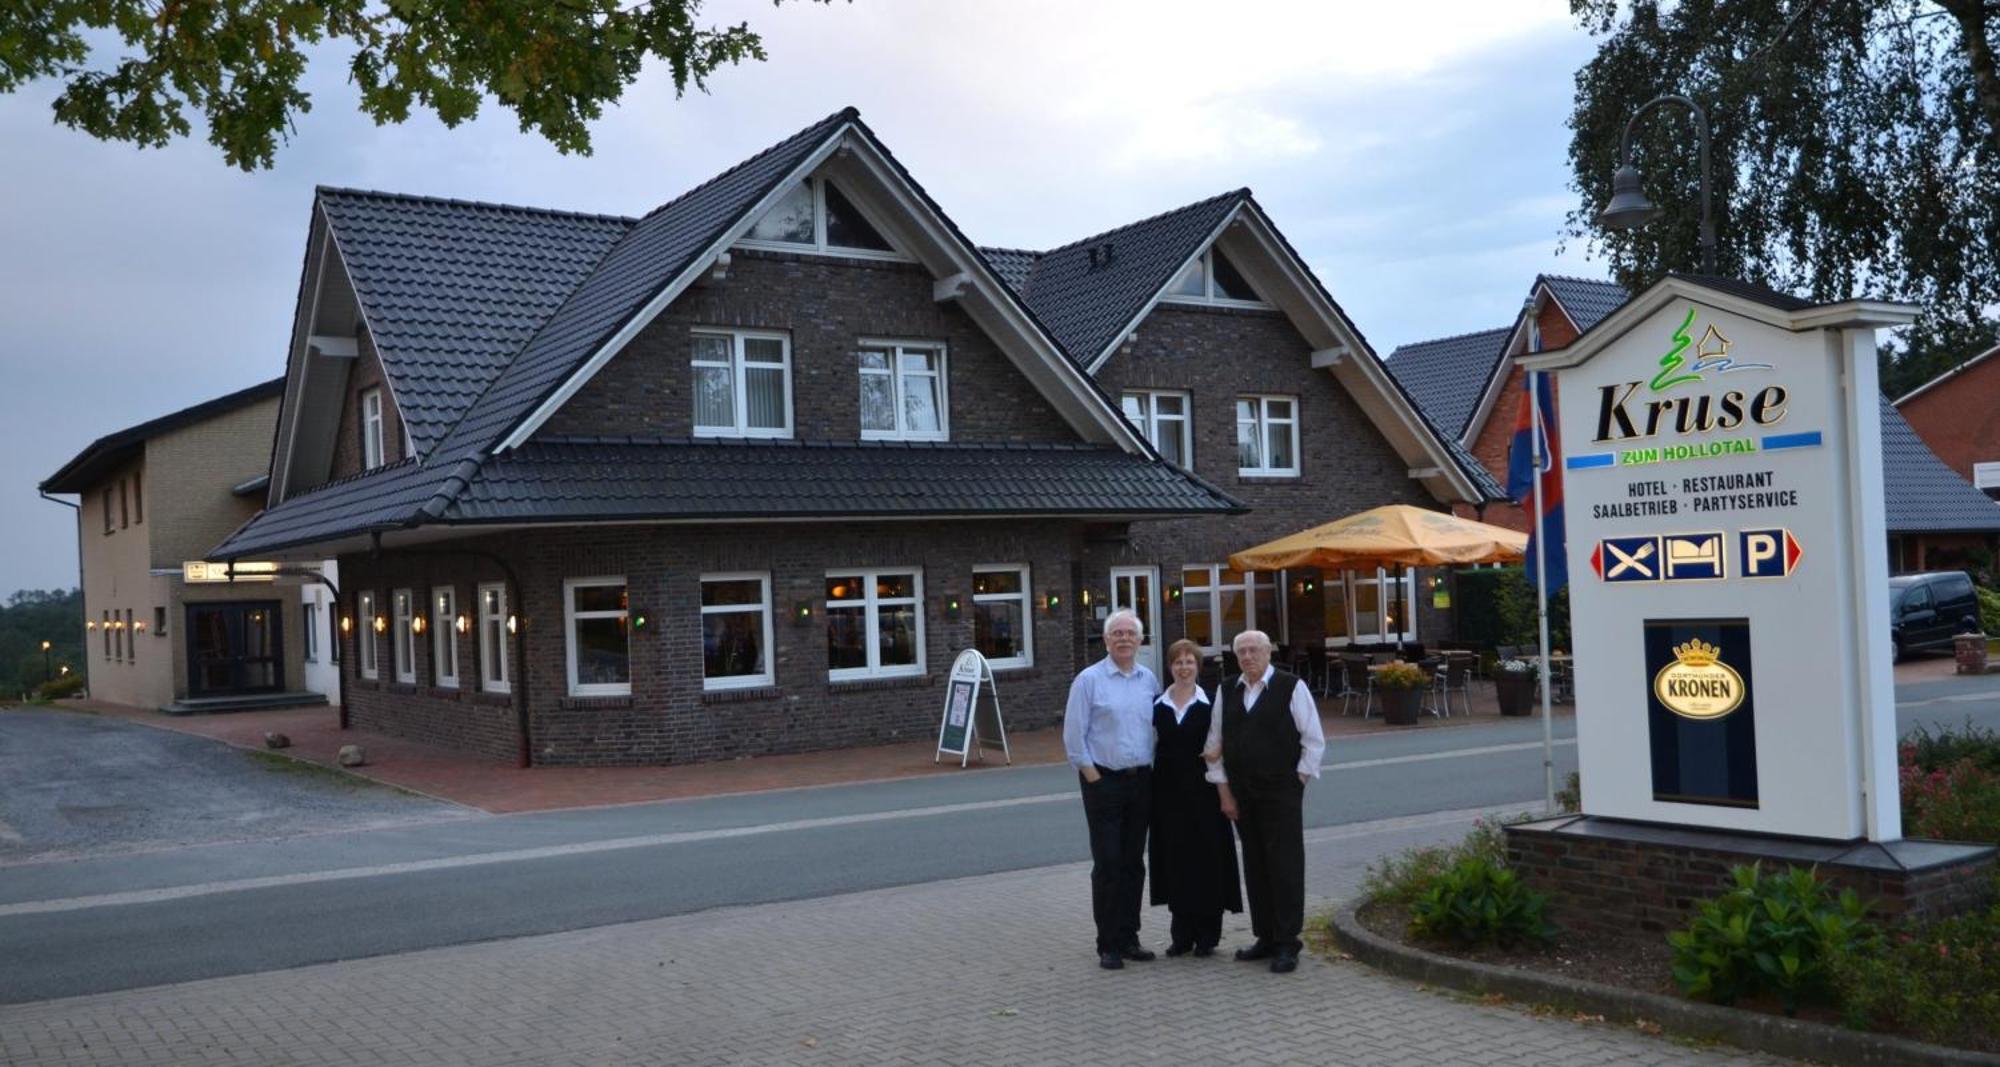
75,784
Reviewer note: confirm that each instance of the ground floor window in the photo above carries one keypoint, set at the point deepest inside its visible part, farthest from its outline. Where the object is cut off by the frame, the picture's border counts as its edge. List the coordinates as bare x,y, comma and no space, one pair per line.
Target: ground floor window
493,631
444,636
1370,607
874,624
1002,625
371,626
402,642
735,630
309,623
598,639
1217,603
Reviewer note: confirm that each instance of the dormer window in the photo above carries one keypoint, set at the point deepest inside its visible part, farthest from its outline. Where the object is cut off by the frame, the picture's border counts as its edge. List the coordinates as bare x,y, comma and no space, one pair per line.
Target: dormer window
1213,279
371,429
816,216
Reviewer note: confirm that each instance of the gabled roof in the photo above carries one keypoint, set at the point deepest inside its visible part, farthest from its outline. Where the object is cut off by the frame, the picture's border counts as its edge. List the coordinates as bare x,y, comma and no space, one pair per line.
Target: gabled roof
451,289
1585,300
1446,377
1921,493
1948,375
114,450
1089,292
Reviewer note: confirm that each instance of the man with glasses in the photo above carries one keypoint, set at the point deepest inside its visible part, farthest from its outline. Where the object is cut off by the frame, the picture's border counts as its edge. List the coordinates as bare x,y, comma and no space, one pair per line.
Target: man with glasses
1108,735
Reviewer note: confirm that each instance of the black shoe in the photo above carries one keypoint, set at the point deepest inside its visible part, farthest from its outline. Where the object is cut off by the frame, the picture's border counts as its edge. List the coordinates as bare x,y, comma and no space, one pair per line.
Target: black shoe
1137,953
1179,948
1110,961
1262,950
1204,951
1286,961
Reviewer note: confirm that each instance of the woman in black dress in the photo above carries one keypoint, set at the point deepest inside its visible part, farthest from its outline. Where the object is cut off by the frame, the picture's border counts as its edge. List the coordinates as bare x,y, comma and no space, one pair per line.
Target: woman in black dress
1193,848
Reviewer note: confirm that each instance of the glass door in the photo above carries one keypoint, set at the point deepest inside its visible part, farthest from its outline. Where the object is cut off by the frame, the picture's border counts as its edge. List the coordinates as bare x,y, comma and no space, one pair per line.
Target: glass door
1137,589
235,648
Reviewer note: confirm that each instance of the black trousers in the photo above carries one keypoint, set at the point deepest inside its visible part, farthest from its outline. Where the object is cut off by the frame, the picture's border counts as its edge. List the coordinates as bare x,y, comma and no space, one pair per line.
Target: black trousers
1202,928
1119,807
1271,824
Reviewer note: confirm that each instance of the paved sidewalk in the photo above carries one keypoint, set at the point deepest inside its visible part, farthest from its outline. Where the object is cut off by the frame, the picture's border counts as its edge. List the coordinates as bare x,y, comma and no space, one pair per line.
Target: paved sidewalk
989,970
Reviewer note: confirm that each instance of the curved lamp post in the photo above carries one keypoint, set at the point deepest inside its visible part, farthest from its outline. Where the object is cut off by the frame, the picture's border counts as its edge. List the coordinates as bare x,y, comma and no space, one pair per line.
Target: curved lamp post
1629,207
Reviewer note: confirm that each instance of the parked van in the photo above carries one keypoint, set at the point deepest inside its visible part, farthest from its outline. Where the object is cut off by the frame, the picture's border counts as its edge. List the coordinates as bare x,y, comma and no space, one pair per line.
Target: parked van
1926,610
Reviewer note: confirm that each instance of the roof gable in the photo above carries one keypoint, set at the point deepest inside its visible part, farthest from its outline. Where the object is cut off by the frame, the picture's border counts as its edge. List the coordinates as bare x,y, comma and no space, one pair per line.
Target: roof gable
1921,494
1447,376
1947,375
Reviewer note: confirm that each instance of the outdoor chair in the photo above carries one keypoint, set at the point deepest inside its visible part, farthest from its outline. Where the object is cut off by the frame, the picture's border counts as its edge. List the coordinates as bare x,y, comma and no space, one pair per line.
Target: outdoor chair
1360,684
1455,678
1433,668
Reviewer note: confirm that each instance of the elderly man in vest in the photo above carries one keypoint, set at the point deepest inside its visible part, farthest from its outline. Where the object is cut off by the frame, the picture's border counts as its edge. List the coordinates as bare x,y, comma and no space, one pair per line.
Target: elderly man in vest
1264,743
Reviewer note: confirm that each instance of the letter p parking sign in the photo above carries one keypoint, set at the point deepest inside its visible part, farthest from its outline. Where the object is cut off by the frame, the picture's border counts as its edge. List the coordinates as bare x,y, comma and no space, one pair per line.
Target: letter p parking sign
1767,553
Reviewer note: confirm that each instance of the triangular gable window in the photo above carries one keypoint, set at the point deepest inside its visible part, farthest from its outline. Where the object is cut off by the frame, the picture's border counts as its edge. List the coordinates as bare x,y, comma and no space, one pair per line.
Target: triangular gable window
1212,279
818,216
1229,282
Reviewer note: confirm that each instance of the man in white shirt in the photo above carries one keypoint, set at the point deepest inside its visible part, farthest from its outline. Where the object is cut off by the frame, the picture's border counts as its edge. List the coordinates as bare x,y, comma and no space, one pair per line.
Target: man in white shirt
1108,735
1264,744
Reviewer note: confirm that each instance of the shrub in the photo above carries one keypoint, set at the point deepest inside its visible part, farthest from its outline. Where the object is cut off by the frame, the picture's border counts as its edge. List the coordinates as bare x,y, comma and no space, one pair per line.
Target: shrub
1401,676
1951,784
1569,799
1400,879
1478,903
1989,611
68,685
1939,982
1768,934
1933,749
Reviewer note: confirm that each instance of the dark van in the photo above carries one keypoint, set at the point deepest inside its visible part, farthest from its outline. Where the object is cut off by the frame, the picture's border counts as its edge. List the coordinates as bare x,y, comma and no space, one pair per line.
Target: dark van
1927,609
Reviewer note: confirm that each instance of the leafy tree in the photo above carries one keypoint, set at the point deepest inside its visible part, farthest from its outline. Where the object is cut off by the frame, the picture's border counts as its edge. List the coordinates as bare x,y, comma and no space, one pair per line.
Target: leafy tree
1919,358
1856,147
30,617
556,63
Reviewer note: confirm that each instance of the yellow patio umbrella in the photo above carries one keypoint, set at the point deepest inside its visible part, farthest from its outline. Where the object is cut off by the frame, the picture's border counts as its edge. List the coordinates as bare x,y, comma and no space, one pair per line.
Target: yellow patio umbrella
1389,536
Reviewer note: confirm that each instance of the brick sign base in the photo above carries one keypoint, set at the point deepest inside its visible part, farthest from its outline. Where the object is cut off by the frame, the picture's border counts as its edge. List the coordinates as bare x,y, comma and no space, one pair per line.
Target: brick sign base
1610,876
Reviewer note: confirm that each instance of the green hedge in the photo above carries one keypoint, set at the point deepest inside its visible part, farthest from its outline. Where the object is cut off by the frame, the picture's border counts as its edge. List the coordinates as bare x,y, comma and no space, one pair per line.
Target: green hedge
1496,606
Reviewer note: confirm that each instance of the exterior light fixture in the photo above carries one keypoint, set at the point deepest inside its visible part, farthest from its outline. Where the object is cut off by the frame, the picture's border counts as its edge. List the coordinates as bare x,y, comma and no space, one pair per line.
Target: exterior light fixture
47,645
139,626
463,623
90,624
951,608
802,612
347,624
417,625
1052,601
1629,207
513,624
64,669
1173,592
1311,585
381,624
638,620
1086,598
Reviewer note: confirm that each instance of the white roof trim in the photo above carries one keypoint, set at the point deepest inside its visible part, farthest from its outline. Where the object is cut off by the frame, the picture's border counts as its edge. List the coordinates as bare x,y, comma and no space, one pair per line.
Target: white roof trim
1538,297
1940,379
1118,339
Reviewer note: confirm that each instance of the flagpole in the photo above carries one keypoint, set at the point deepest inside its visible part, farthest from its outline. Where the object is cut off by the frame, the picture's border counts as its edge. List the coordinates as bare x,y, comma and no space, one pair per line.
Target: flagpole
1542,594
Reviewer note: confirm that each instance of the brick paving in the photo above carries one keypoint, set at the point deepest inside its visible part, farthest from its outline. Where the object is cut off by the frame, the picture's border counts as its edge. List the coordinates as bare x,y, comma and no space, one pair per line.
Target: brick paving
989,970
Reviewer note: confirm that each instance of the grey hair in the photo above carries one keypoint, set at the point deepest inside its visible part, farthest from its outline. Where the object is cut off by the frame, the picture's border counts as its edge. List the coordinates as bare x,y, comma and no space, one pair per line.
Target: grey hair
1124,613
1258,636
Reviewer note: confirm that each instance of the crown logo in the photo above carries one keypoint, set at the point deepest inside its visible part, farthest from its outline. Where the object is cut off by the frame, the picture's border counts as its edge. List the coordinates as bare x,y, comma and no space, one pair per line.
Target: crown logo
1697,653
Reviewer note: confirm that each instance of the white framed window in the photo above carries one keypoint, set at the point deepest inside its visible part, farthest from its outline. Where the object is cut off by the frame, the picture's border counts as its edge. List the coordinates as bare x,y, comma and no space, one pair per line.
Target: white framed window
364,636
1218,603
597,637
1267,435
815,216
903,393
1374,607
1213,279
493,633
736,645
309,624
371,429
1167,419
1003,626
104,621
874,623
130,637
444,636
742,383
402,642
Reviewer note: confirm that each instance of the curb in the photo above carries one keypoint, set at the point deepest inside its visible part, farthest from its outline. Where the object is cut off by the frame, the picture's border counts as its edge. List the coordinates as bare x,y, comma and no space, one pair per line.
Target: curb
1754,1031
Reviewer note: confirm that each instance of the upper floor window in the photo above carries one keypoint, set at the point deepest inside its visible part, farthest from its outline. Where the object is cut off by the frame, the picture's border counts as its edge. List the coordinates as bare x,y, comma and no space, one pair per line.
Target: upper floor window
903,392
1213,279
124,505
815,215
1267,435
742,384
138,498
371,429
1166,420
599,641
108,527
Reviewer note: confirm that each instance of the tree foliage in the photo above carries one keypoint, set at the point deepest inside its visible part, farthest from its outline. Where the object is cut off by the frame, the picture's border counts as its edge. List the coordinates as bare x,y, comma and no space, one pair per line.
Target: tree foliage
1856,147
28,618
238,63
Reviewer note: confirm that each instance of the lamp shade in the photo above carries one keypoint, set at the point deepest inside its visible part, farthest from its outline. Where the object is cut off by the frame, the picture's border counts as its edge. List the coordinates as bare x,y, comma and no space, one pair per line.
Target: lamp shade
1629,206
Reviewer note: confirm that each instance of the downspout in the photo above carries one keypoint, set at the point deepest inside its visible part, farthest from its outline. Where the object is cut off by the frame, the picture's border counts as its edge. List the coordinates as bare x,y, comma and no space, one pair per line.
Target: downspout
78,508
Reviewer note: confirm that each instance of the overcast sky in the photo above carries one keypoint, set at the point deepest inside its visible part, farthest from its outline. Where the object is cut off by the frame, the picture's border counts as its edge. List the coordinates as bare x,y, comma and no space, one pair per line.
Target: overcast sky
1414,153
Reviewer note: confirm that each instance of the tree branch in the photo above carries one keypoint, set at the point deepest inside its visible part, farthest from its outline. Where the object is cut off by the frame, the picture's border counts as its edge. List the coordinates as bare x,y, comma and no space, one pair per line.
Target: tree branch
1972,16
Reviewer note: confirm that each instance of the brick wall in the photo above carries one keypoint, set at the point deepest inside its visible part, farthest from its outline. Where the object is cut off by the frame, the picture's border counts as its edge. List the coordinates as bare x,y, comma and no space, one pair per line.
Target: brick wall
668,718
366,375
1960,419
827,305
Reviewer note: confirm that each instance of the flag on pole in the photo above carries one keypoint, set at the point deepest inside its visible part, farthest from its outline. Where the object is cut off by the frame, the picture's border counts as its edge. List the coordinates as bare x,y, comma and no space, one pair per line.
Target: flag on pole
1528,424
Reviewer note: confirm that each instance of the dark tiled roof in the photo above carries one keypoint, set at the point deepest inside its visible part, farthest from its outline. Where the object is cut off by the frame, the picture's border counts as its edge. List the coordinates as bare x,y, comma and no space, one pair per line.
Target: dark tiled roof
578,478
451,289
1085,303
381,499
1012,265
1923,495
1482,479
1752,291
641,264
1586,300
100,456
1446,377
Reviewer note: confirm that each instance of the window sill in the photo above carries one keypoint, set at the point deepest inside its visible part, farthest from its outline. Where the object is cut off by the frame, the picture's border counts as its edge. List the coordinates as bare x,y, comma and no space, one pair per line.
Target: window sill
744,695
594,703
487,697
864,685
1267,477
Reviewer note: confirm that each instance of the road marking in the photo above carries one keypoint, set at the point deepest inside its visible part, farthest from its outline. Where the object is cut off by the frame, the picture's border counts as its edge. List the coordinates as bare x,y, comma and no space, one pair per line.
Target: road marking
1961,698
581,848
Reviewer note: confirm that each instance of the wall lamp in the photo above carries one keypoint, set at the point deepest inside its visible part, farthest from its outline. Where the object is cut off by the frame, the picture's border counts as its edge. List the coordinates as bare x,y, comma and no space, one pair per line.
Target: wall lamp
513,624
463,623
347,624
417,625
381,624
802,612
1052,601
952,609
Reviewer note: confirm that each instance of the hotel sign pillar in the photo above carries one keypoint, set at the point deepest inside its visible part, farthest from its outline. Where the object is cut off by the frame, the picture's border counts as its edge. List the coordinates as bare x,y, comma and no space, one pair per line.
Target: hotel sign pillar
1728,562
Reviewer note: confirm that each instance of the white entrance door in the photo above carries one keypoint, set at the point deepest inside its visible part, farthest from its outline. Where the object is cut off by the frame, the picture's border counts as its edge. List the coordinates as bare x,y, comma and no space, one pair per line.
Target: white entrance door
1138,589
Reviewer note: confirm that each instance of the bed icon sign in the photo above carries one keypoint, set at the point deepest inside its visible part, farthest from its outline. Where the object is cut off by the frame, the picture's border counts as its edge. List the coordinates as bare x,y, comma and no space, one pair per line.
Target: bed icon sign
1768,553
1694,557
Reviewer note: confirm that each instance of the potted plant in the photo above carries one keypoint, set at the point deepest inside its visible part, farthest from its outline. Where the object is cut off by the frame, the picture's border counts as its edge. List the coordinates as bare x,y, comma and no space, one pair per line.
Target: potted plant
1514,684
1401,686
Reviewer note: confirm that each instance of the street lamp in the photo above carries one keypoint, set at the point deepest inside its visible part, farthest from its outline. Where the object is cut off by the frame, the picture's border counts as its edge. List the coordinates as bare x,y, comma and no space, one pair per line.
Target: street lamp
47,671
1629,207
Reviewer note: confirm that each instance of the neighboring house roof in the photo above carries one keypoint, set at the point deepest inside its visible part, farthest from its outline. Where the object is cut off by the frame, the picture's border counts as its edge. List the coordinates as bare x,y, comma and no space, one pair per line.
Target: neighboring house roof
1921,493
1446,377
1088,292
114,450
1947,375
1585,300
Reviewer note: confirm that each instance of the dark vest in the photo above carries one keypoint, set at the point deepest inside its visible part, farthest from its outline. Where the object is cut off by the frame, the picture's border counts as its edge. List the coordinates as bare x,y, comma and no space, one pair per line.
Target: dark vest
1264,743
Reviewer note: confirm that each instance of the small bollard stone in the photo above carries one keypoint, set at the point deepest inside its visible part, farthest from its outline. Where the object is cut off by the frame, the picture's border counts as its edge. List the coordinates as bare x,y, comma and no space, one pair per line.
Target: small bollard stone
352,756
274,739
1970,652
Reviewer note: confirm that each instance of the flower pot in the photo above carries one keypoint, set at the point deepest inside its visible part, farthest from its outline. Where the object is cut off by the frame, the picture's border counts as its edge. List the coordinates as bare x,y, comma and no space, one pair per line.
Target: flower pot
1400,706
1516,692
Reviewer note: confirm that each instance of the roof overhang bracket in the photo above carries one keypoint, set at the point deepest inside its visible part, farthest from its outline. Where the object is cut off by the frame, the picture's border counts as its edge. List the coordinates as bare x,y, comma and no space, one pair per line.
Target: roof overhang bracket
1422,473
1329,357
951,287
334,347
717,272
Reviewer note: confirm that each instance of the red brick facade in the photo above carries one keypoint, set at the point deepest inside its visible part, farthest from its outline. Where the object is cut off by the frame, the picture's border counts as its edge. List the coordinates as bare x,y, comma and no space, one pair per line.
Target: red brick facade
366,375
1492,438
1960,418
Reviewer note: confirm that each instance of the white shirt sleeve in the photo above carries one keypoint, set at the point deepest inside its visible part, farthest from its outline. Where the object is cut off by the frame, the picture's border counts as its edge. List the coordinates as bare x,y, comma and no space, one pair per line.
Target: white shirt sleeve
1312,739
1212,749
